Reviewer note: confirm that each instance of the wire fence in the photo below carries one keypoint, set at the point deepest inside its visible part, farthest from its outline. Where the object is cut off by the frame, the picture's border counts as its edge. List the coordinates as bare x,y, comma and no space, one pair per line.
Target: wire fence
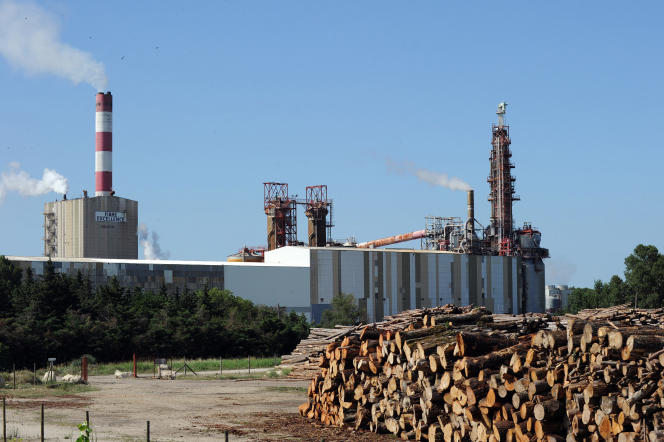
11,427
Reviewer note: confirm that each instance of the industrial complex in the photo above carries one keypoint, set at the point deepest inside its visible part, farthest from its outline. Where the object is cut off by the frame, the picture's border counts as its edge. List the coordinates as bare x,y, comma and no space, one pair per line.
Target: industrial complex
460,261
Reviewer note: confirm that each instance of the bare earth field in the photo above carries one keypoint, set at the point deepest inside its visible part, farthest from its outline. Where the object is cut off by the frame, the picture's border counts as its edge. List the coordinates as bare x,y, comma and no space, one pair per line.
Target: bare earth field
183,409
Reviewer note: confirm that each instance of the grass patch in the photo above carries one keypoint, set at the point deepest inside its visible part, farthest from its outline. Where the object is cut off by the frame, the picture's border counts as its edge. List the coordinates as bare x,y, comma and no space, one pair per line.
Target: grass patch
271,374
46,390
143,366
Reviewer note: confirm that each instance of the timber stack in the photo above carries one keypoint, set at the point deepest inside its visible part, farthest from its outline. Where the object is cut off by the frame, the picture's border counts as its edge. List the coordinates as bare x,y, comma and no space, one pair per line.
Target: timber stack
303,361
465,376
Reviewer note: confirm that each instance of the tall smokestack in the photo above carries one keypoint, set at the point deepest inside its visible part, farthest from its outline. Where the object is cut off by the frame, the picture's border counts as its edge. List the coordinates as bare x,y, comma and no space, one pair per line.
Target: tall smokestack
104,145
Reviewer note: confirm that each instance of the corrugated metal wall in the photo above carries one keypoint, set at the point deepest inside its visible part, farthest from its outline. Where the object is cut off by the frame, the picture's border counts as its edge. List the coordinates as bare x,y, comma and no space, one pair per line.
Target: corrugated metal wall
388,281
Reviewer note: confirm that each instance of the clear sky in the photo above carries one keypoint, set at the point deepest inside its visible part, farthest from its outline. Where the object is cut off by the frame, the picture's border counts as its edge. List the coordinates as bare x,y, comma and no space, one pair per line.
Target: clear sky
211,99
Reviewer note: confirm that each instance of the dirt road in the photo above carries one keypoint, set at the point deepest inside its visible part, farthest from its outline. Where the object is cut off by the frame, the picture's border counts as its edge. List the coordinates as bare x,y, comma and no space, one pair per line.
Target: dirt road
185,409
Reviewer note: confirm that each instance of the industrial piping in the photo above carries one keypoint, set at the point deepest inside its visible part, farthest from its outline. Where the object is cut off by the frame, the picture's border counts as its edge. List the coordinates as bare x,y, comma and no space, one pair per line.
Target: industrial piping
392,239
104,144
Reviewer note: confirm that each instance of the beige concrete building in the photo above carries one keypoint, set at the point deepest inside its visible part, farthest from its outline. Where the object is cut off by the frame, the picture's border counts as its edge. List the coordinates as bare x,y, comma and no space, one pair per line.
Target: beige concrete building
99,227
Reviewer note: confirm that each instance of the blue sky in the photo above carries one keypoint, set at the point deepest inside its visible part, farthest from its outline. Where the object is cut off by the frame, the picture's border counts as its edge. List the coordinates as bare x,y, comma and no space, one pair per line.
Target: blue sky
211,99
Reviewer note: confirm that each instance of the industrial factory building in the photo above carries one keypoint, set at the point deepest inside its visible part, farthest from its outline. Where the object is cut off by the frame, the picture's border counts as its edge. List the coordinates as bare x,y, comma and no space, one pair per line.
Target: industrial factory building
387,281
99,227
305,279
103,226
460,261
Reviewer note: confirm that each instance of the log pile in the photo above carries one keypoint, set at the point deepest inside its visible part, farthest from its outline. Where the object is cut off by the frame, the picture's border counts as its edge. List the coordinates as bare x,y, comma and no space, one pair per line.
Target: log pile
303,361
516,379
614,374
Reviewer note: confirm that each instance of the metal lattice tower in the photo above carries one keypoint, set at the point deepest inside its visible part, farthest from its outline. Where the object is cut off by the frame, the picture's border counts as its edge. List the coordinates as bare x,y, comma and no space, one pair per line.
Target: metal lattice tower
501,182
281,211
317,208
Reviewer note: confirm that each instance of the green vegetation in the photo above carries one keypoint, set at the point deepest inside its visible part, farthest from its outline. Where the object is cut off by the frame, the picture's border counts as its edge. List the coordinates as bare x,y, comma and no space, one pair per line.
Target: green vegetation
344,311
85,430
643,283
64,317
143,366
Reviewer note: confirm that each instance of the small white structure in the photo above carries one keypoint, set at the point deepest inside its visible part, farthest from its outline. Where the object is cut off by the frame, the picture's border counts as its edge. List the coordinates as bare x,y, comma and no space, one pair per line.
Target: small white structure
556,297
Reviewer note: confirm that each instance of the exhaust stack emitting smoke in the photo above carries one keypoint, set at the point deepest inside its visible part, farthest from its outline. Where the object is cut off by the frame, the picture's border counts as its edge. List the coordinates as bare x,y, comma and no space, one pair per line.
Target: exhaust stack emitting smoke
428,176
19,181
150,244
30,40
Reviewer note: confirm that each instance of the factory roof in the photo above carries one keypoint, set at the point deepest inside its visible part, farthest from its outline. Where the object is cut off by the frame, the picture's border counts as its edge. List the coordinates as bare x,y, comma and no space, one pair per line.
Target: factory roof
154,261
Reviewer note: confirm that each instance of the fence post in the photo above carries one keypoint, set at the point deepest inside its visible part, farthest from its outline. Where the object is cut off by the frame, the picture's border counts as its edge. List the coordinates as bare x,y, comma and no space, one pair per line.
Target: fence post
4,421
84,368
34,373
42,422
249,363
134,364
87,418
148,428
14,372
226,435
221,365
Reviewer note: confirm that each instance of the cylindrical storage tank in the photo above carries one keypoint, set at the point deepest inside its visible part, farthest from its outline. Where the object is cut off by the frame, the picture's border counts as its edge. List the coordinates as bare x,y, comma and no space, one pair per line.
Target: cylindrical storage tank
534,285
553,303
104,144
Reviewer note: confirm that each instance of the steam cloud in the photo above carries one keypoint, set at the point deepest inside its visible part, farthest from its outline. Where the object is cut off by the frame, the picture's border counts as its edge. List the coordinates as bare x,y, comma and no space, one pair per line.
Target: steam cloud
150,244
29,39
19,181
433,178
560,271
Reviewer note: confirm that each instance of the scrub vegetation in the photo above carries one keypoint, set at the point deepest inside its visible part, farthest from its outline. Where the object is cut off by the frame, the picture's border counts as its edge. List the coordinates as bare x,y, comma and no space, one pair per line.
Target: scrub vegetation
643,284
63,316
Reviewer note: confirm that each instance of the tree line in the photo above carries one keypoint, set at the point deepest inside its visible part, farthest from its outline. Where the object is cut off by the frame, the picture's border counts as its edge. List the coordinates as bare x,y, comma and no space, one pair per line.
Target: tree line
643,284
63,316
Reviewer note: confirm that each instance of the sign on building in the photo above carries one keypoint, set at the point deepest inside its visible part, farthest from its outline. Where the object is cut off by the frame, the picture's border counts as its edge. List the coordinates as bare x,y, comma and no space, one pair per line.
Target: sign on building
111,217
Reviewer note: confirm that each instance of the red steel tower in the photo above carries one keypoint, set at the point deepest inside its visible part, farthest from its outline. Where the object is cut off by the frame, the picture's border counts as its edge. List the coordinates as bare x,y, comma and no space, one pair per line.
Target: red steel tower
317,208
281,211
502,187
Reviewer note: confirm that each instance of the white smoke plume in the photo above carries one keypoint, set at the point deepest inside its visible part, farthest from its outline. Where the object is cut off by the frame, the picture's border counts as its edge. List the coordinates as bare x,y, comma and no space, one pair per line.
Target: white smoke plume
30,40
150,243
19,181
560,271
433,178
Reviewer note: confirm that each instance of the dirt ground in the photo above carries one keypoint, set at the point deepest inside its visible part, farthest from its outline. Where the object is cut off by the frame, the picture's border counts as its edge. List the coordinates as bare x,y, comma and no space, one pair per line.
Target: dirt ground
184,409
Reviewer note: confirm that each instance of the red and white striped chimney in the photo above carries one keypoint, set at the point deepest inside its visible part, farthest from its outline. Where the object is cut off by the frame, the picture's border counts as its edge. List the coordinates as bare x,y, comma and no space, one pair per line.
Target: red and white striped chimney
104,144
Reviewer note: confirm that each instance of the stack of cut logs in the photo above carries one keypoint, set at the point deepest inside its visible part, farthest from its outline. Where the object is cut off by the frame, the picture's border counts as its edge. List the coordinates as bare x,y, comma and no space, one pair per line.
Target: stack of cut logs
303,361
469,375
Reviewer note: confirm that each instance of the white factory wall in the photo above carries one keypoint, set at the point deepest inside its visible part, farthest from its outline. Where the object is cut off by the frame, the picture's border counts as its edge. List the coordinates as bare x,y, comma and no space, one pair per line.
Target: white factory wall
269,285
293,256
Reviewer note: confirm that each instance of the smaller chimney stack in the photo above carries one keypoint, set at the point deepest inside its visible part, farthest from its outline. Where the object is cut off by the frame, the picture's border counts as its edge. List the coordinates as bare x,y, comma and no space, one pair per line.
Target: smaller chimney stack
470,223
471,205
